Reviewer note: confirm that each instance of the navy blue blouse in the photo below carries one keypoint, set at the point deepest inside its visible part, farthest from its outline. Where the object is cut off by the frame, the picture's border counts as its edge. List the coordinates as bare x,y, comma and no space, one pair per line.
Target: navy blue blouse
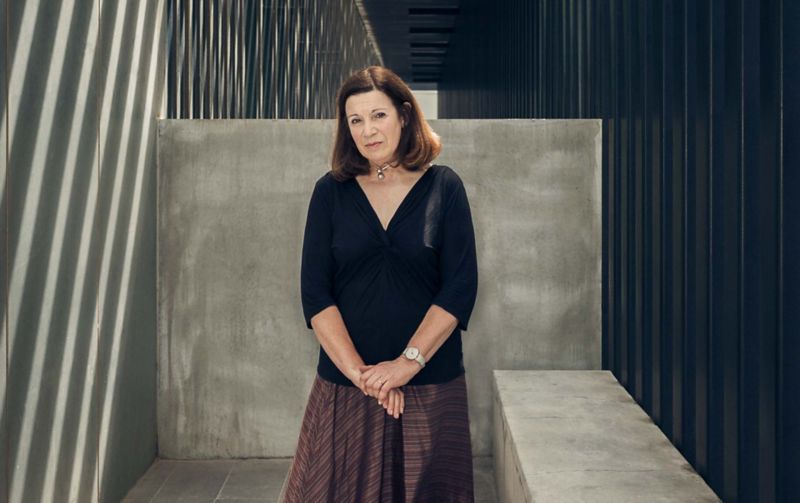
384,280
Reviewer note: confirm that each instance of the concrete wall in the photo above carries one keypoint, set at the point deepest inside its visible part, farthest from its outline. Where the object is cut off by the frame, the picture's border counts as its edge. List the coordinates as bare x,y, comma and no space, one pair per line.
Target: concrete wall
3,262
85,80
236,361
541,416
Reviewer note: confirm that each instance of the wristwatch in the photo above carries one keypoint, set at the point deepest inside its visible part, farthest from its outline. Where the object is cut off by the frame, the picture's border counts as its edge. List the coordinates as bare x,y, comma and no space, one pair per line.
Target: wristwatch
413,353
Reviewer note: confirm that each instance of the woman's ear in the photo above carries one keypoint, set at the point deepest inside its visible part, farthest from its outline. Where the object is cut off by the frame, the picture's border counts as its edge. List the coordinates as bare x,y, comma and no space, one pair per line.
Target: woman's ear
406,112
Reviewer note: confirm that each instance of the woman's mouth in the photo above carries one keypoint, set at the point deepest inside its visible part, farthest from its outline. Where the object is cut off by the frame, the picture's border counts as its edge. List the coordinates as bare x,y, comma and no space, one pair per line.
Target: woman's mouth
371,145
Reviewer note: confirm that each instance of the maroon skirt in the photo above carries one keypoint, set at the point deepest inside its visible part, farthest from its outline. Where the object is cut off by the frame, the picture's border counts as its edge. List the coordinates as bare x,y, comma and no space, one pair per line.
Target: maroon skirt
351,451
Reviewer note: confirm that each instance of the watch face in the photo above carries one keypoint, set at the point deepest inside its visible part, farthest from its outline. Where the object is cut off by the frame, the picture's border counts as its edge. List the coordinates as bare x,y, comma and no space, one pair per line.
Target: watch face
412,353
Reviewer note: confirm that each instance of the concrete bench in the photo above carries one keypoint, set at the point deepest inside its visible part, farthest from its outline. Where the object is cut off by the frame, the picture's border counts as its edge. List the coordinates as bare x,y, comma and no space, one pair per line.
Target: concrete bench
575,435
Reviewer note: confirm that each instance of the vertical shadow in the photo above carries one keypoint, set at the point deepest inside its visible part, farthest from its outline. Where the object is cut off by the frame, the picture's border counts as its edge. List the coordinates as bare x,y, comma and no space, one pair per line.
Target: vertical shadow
4,464
38,313
126,227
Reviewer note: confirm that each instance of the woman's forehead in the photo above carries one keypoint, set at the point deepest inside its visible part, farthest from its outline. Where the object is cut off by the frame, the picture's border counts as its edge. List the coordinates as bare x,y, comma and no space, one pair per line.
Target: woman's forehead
366,102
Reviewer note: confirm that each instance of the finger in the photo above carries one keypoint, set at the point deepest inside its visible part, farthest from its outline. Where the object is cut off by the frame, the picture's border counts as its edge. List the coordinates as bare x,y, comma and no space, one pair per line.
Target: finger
365,375
370,378
373,390
388,401
358,384
374,385
402,403
383,391
392,404
396,408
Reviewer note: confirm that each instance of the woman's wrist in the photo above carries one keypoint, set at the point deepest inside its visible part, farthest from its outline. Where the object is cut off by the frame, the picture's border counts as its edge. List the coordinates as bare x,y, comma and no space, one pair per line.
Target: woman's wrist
353,374
411,364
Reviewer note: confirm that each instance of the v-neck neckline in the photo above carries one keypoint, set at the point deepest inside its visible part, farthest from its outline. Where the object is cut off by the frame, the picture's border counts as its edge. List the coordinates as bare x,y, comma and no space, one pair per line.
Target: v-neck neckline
403,202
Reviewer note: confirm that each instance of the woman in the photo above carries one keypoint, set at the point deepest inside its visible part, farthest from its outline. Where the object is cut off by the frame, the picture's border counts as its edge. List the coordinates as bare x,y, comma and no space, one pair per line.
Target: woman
388,282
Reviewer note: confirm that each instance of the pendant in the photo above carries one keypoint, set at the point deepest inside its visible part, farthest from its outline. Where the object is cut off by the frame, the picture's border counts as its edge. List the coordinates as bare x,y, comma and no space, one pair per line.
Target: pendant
380,170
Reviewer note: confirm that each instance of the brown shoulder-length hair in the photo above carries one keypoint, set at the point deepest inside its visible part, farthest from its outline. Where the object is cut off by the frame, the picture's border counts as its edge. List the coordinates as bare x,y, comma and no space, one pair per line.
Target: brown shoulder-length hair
419,144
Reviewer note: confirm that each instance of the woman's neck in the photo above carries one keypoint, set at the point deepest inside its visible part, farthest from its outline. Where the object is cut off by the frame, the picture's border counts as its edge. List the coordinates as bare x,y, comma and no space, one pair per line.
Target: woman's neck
389,169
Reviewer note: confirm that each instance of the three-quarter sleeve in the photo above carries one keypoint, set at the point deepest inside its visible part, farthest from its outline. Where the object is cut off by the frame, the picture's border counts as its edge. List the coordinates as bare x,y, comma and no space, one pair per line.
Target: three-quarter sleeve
317,265
457,258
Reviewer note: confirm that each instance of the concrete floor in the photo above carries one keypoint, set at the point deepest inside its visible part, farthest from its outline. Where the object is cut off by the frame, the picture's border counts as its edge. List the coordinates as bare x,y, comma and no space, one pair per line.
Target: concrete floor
246,481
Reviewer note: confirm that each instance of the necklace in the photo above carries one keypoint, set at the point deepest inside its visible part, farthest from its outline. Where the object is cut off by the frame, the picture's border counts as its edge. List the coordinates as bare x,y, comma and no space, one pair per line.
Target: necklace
381,168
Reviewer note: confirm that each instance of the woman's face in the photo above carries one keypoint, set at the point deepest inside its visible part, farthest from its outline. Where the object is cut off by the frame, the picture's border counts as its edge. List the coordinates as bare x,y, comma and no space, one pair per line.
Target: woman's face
375,125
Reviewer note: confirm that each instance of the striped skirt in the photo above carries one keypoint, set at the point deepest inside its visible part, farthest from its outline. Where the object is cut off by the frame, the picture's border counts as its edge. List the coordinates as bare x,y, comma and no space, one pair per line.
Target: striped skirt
351,451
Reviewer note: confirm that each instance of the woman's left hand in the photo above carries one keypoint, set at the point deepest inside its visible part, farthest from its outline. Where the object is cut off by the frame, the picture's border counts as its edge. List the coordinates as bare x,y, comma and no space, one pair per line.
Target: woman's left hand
379,379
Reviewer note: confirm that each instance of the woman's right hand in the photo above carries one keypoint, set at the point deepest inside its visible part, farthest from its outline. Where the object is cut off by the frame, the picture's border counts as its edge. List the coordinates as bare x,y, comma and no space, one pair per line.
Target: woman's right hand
395,402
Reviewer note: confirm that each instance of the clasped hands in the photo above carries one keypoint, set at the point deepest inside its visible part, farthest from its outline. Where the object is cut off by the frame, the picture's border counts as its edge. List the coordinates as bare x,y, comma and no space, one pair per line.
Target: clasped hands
383,381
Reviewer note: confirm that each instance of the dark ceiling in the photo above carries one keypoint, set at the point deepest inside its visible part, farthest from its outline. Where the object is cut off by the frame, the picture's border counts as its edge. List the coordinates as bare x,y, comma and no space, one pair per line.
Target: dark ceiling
413,36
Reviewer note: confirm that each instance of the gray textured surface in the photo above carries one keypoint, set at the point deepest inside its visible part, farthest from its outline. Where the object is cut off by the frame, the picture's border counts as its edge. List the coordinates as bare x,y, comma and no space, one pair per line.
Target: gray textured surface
236,361
132,81
84,90
246,480
579,436
3,257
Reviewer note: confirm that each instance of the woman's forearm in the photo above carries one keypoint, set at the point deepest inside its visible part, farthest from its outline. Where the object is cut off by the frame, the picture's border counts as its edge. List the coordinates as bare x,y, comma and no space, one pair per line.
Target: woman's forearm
332,335
435,328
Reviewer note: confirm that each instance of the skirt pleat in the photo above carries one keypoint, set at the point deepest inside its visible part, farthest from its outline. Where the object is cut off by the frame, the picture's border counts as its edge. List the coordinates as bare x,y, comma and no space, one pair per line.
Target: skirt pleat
351,451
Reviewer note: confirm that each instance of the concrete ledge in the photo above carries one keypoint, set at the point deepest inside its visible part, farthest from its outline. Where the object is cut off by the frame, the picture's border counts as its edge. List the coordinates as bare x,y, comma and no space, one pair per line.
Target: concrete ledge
577,435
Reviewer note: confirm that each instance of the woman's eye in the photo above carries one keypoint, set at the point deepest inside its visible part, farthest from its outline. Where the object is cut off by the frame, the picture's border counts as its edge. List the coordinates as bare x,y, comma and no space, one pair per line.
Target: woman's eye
379,114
